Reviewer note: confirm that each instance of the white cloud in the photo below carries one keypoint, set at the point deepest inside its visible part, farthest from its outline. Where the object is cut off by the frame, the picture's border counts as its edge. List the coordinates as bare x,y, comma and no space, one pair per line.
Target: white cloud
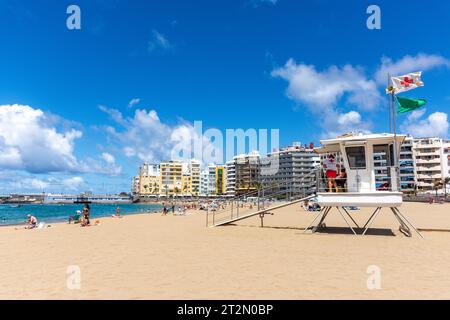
109,158
321,91
116,115
436,125
133,102
30,141
27,141
73,183
146,137
407,64
158,41
257,3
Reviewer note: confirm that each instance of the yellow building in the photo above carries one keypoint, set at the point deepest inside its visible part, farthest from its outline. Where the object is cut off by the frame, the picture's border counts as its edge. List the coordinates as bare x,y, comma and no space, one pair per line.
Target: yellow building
149,180
171,178
186,184
220,180
194,171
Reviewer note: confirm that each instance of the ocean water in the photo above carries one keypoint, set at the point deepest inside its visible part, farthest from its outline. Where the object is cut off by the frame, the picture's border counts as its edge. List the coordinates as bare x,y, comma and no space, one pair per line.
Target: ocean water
50,213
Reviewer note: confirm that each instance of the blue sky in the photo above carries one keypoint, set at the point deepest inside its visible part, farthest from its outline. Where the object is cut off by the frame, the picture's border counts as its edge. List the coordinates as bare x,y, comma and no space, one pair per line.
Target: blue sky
308,68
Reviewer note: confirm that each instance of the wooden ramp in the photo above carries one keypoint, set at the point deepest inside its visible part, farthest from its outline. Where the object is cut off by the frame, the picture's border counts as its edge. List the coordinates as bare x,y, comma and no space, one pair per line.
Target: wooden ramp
260,212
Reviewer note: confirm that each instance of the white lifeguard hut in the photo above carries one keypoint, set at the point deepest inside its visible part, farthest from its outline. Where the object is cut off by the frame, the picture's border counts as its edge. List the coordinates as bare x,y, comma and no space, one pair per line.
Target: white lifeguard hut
357,153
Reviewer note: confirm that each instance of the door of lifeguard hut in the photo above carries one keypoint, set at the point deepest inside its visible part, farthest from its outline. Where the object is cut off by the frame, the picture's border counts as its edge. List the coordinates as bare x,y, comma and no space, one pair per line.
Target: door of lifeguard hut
358,165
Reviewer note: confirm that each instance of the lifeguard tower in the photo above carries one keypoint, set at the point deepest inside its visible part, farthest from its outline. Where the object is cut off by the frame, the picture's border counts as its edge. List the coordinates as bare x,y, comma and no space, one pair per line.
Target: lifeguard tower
357,153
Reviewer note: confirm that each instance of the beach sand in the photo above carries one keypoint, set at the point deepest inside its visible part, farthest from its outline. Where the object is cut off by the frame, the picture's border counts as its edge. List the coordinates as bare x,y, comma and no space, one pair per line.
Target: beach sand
177,257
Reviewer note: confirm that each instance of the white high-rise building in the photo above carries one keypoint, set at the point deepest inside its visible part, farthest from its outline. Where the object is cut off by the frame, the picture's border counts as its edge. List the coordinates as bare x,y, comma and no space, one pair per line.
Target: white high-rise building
211,180
294,166
135,185
407,167
204,183
230,186
194,171
431,156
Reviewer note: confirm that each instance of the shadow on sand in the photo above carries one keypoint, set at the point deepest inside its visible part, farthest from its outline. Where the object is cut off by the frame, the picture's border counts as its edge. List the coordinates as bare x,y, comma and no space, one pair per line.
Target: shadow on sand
326,230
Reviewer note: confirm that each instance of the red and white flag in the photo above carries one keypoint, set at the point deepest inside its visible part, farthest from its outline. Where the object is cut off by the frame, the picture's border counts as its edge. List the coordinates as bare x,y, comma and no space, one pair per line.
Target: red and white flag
406,83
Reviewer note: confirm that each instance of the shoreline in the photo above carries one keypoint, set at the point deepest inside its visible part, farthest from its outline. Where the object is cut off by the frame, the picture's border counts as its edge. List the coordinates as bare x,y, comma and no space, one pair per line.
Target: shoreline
52,220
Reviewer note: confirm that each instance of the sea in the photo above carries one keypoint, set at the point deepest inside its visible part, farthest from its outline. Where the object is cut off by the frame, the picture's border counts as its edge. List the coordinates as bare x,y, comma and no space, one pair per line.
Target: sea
51,213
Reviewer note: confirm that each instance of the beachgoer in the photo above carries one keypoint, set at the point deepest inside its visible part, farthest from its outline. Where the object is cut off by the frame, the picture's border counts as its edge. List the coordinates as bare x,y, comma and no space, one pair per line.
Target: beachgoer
330,167
118,212
32,222
86,214
341,181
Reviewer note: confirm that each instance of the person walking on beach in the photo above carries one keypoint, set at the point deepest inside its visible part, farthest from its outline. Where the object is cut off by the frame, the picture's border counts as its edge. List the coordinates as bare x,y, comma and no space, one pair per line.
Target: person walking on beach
330,167
164,209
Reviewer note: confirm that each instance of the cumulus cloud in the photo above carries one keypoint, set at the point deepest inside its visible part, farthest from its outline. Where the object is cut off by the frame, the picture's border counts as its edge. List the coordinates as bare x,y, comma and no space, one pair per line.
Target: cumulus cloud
325,88
109,158
435,125
31,141
321,91
420,62
146,137
73,183
27,142
29,183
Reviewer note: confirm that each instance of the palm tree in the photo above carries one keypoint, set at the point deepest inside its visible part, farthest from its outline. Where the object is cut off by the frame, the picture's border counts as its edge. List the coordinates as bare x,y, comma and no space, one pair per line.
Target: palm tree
446,182
166,189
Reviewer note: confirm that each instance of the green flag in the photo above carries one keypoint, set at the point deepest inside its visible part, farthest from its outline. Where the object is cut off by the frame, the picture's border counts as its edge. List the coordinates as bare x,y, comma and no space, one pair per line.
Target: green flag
405,105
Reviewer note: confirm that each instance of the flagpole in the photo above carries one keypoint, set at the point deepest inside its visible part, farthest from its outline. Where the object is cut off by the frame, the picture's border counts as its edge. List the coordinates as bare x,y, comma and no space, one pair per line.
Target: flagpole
389,104
396,160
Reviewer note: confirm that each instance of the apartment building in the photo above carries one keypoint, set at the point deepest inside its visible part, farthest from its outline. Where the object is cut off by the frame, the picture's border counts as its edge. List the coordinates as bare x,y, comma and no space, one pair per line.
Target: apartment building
149,180
407,175
407,166
211,180
432,163
220,180
247,172
194,170
171,178
291,167
135,185
230,187
204,183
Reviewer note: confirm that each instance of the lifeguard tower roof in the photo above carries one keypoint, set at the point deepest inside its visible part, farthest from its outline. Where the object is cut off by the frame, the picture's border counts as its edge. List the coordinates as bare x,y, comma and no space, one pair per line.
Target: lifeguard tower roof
334,145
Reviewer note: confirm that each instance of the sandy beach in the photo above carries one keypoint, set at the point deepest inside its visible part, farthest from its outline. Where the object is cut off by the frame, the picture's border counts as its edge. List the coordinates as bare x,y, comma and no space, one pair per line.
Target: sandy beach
177,257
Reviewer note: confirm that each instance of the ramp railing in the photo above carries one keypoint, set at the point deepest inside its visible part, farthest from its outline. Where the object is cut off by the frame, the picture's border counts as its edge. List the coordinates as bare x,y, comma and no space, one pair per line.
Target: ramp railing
262,200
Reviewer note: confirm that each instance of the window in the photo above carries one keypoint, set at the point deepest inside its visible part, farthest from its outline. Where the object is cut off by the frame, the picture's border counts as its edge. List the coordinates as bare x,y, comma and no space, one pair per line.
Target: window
356,157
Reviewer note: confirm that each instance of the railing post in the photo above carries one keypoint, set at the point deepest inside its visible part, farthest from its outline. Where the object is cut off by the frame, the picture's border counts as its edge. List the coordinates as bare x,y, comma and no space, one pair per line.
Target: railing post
259,194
